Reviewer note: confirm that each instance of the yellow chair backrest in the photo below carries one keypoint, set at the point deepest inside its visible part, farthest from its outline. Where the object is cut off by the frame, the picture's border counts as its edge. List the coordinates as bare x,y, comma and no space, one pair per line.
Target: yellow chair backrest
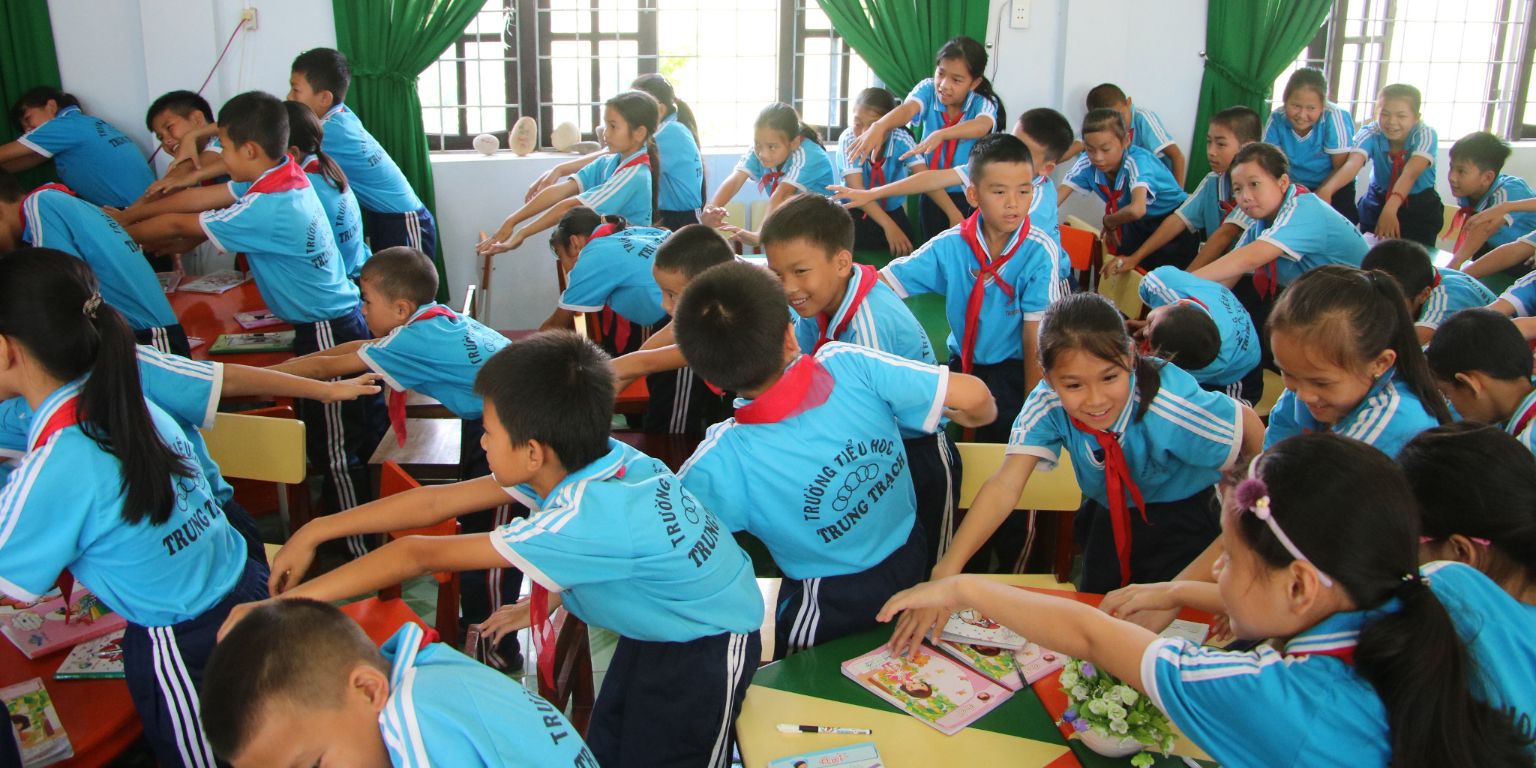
1123,290
1445,226
1053,490
260,448
1273,386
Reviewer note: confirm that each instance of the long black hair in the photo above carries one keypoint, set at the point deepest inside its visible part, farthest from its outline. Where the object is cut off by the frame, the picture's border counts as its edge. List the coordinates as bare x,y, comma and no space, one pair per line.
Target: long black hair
639,109
974,55
305,133
1087,322
1347,507
783,118
660,88
50,304
582,221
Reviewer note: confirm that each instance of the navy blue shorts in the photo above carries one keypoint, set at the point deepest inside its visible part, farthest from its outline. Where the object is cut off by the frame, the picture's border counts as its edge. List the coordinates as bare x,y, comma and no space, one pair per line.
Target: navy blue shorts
1006,382
815,611
1175,533
1419,218
1179,251
682,404
1344,202
675,220
934,466
170,339
870,236
933,219
416,229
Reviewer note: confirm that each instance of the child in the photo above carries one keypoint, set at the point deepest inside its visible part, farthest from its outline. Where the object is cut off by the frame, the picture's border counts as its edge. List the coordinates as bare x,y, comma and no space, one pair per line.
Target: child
178,116
954,108
340,700
786,159
1351,361
1211,211
1314,133
91,156
608,271
614,536
330,184
1143,127
1320,552
108,494
1401,200
813,464
1137,190
623,183
809,243
1433,293
1477,160
997,272
52,217
879,226
1482,363
1201,327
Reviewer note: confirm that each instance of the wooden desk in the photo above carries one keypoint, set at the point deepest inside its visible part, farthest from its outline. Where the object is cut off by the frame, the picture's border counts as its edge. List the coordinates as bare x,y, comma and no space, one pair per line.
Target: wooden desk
206,315
98,715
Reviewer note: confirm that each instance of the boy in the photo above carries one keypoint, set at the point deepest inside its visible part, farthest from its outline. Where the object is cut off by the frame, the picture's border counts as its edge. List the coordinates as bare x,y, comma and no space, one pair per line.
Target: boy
339,700
1433,294
271,214
998,272
1138,193
1482,363
809,244
180,116
52,217
91,155
392,214
1143,127
424,346
1401,200
1477,160
813,464
613,535
1201,327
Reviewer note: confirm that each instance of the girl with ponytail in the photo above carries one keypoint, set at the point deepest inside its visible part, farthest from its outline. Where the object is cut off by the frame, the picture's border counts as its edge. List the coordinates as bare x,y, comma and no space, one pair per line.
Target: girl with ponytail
786,159
682,175
109,494
607,264
330,184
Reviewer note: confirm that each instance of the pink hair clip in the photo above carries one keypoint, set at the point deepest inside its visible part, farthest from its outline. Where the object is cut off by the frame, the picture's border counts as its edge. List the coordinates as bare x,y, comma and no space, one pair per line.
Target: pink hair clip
1474,539
1253,496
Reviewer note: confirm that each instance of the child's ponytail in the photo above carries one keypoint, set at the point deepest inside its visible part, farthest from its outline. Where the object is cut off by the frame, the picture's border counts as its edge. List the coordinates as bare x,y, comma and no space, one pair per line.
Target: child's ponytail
660,88
1411,365
306,134
639,110
582,221
974,55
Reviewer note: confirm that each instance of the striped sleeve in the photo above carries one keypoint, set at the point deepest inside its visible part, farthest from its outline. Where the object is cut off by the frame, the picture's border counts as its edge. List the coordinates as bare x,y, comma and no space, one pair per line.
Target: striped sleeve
795,167
1035,432
1423,142
1154,291
1154,124
1436,308
1337,140
399,722
1133,174
914,391
600,196
1196,427
38,535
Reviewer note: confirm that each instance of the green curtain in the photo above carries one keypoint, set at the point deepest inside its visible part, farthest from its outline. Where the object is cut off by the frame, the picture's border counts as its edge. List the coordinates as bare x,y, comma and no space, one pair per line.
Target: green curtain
898,38
1247,45
27,60
389,43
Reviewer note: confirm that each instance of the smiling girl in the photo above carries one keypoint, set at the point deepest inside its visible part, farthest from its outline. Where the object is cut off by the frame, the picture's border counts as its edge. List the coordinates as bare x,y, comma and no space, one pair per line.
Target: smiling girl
1314,134
1401,200
786,159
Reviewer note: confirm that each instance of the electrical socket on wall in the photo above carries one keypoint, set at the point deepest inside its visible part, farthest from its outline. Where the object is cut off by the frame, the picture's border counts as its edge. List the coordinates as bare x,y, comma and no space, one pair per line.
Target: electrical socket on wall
1018,17
248,18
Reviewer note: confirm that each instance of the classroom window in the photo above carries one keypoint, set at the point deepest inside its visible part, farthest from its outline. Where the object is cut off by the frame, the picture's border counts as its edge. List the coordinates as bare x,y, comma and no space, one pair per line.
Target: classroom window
473,87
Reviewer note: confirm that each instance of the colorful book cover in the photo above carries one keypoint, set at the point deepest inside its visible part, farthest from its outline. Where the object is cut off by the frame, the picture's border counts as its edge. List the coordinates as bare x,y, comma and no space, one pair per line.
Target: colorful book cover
169,281
38,628
36,725
1035,662
852,756
215,282
996,663
239,343
260,318
97,659
928,685
971,627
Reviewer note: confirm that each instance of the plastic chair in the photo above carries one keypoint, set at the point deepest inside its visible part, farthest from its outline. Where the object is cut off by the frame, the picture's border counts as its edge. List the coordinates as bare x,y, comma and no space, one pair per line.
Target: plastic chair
265,446
1053,491
573,690
1123,290
1273,386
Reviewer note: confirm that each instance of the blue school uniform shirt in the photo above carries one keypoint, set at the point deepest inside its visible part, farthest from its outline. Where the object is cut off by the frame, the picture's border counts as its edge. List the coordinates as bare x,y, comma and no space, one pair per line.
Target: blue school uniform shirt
1505,188
345,216
1309,234
1526,432
1316,709
932,117
808,169
631,550
615,271
1239,338
52,218
447,709
287,238
604,186
371,172
62,508
682,168
1421,142
1043,210
1147,132
438,357
1138,168
1211,205
945,265
1311,155
92,157
1177,448
1522,293
1457,291
892,167
828,489
1389,416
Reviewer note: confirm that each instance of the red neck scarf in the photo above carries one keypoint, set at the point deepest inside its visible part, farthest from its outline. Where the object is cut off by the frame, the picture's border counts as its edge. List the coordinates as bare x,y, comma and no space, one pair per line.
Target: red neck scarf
986,270
868,276
1399,161
1111,205
66,415
944,154
396,400
643,158
805,385
1525,418
1266,279
1117,482
282,178
769,182
51,185
1459,225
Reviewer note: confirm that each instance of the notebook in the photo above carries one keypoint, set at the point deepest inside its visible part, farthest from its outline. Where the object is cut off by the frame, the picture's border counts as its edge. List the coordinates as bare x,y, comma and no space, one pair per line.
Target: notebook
169,281
240,343
930,686
260,318
97,659
36,725
852,756
1011,669
215,282
971,627
38,628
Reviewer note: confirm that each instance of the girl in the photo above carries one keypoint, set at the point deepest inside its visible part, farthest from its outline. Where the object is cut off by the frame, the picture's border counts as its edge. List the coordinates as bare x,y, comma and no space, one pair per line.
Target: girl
786,159
879,225
1434,293
330,185
1320,553
109,494
1314,134
1482,364
1401,200
608,270
1138,191
91,156
623,183
1351,361
955,107
1138,432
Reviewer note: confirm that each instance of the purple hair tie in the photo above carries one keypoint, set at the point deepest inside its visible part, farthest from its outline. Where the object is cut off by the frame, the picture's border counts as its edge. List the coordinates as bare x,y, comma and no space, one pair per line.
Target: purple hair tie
1253,496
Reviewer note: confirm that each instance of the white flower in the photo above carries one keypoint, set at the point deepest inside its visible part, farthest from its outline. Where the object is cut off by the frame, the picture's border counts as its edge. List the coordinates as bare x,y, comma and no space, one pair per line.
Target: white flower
1118,726
1127,694
1116,711
1068,678
1096,707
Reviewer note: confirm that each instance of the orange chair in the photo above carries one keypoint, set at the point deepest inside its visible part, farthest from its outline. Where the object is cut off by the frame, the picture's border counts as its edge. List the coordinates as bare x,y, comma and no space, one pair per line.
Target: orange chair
1081,247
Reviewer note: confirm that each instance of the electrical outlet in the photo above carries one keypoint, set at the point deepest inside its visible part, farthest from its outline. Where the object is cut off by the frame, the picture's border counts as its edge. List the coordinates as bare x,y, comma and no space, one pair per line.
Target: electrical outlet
1019,16
248,18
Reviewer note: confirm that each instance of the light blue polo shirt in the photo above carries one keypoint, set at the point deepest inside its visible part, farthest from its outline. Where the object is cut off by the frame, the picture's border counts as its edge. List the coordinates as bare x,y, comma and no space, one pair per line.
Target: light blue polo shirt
808,169
1177,448
1505,189
828,489
1239,338
345,216
446,709
1526,435
1211,205
931,118
1422,142
630,550
605,188
92,157
1138,168
1311,155
892,167
1457,291
1147,132
614,271
882,321
1309,234
1388,417
682,168
371,172
55,219
438,357
1522,294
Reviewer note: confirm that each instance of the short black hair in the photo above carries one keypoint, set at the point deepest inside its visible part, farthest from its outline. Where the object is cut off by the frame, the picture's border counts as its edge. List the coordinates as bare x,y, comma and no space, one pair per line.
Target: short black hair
1104,119
1105,96
256,664
1243,122
402,272
730,325
554,387
1482,149
11,190
182,103
813,218
693,249
996,148
326,69
39,97
257,116
1481,340
1186,336
1050,129
1406,261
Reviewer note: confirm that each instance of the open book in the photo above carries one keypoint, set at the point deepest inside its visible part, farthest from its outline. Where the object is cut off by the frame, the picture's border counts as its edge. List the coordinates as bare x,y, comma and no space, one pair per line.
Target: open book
97,659
215,282
36,725
38,628
929,686
968,626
